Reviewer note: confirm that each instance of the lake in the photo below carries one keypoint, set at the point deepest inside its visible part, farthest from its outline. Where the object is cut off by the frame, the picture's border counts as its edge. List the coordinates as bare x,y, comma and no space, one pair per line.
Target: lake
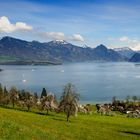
96,82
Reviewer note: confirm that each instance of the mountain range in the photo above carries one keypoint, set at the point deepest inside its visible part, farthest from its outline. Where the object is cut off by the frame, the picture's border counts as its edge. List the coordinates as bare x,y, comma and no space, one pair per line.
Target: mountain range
56,52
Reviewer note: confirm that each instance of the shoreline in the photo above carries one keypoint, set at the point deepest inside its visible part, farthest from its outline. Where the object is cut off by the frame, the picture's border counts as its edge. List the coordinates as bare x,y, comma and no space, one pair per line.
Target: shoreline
30,63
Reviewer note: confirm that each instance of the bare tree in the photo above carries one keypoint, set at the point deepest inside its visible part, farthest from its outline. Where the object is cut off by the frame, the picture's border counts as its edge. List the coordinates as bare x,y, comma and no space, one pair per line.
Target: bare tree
45,104
69,100
49,103
13,95
29,100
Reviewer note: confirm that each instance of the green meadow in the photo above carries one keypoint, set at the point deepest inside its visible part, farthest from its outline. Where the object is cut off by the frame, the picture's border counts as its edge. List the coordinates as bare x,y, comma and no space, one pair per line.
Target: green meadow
22,125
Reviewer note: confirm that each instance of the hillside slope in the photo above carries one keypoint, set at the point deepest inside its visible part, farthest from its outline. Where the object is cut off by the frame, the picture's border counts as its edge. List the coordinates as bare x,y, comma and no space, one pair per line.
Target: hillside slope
135,58
15,125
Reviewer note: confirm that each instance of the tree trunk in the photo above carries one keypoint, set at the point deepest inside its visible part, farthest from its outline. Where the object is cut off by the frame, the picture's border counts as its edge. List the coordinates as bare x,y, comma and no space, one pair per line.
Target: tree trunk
28,108
47,111
68,117
13,104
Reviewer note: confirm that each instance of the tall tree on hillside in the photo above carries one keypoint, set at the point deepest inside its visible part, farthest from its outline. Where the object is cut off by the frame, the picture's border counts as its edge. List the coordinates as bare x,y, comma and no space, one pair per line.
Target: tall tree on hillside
13,95
49,103
69,100
44,93
45,104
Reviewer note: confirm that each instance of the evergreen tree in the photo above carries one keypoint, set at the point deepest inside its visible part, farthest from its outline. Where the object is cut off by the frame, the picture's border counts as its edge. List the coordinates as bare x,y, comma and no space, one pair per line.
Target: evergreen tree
5,92
21,94
44,93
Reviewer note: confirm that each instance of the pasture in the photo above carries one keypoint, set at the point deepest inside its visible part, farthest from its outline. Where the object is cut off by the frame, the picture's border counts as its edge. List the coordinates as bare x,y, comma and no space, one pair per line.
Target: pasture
15,125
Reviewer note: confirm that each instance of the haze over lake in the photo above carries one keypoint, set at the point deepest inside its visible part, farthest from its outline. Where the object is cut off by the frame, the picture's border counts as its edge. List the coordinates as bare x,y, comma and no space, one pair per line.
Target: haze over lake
96,82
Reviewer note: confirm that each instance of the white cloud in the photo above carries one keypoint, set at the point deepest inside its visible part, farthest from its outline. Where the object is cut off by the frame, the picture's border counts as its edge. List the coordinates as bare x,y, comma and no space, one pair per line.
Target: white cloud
76,37
7,27
136,46
23,26
124,39
54,35
133,43
62,36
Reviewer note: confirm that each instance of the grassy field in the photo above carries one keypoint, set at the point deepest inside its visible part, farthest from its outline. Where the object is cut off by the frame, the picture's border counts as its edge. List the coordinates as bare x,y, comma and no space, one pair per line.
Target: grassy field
19,125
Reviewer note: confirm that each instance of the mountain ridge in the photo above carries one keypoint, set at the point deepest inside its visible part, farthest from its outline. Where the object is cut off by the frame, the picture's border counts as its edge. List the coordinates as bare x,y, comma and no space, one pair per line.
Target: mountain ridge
55,51
125,51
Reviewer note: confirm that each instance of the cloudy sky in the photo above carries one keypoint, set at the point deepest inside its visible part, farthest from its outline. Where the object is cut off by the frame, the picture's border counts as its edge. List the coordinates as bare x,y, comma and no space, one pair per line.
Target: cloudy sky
115,23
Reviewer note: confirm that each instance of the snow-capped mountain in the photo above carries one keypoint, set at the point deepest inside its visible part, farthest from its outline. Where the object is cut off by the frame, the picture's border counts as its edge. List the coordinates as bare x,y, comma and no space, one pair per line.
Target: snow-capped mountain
85,46
125,51
59,42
